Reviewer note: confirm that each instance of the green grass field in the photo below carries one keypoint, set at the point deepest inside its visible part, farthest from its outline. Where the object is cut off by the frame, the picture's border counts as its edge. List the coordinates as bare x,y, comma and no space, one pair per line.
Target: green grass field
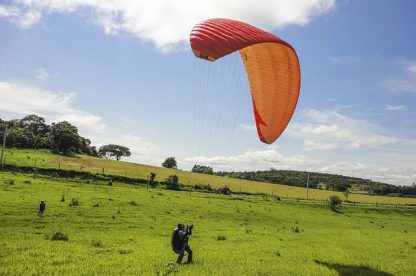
117,238
44,159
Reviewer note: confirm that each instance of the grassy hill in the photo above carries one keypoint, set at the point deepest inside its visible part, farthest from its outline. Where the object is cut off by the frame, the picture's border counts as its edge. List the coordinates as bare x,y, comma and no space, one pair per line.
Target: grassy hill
44,159
108,234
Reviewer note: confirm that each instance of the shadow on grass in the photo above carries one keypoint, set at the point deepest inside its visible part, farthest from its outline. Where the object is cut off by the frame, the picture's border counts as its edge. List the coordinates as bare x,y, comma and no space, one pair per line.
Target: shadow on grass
350,270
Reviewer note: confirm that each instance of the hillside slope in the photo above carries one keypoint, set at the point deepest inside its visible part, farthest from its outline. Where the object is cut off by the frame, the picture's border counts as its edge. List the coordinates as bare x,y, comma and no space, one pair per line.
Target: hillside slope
125,230
44,159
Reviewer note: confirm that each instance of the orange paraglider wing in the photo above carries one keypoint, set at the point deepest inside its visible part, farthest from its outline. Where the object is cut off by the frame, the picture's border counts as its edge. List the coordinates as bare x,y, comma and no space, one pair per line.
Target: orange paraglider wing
271,64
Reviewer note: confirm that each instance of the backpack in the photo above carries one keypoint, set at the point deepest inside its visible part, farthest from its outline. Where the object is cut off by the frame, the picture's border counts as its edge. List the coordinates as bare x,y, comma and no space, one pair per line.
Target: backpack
176,241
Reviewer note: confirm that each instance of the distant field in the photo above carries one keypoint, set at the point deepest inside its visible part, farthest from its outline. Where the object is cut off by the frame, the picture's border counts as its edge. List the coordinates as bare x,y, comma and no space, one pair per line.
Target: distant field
233,235
44,159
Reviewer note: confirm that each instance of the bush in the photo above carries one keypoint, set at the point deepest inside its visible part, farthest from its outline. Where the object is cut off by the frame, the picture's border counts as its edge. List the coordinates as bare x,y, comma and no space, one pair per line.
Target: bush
296,229
59,236
172,182
10,181
152,182
74,202
96,243
132,203
221,238
334,201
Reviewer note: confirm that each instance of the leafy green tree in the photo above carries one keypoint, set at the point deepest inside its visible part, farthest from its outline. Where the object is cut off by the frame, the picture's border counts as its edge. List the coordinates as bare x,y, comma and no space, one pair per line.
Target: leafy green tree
65,138
172,182
334,201
38,128
35,123
114,151
202,169
152,182
170,163
20,137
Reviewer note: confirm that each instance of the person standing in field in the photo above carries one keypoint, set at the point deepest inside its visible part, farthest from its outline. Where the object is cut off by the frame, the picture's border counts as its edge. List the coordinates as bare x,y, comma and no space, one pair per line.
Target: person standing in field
42,207
180,242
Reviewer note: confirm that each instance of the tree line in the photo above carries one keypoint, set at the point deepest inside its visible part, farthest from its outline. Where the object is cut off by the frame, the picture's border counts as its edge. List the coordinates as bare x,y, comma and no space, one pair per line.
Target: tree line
321,181
33,132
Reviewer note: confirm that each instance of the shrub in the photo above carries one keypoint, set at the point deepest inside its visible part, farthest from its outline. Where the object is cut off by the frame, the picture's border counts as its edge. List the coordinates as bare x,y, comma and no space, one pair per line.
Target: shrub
221,238
74,202
334,201
152,182
10,181
59,236
296,229
96,243
124,251
172,182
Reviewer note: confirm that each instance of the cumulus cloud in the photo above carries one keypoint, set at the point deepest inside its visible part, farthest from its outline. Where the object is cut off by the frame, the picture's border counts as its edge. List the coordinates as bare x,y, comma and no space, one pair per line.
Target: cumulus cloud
313,145
57,106
20,99
254,159
390,107
167,23
41,73
22,19
335,130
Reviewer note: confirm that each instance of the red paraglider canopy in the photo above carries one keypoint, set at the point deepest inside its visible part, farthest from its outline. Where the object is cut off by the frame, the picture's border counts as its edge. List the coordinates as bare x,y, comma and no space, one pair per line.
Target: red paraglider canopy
271,64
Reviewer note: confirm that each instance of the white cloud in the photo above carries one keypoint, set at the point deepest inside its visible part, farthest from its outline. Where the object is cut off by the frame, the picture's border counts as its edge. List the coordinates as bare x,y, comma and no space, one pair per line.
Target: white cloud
22,19
166,23
253,160
412,68
334,130
24,99
247,127
41,73
345,60
348,168
20,99
401,84
313,145
390,107
406,80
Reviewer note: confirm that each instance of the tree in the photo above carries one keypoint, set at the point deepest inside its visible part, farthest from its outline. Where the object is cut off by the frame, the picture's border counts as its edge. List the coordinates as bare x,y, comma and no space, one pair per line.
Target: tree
65,138
114,151
202,169
35,123
172,182
170,163
334,201
346,194
152,182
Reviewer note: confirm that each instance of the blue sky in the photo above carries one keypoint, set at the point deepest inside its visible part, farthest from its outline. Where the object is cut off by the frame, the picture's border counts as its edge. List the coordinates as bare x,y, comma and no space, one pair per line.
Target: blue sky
122,71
